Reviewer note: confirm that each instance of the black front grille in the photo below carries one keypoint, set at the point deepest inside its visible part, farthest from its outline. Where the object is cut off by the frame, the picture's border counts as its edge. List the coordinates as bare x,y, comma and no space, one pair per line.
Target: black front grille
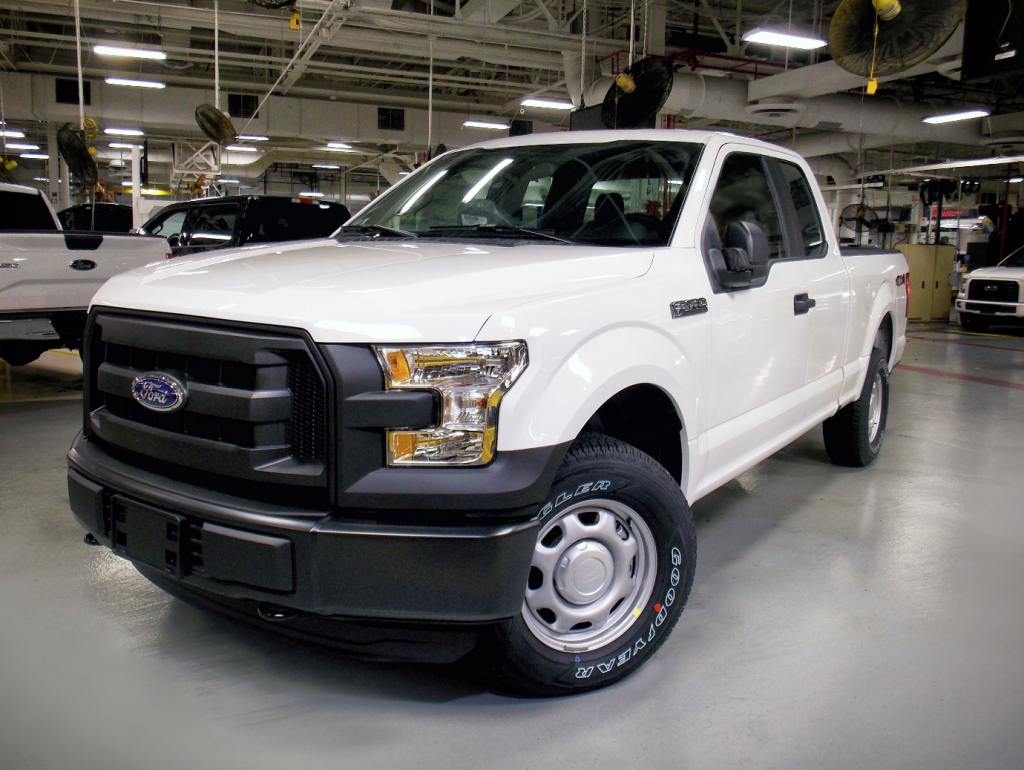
256,408
305,431
993,291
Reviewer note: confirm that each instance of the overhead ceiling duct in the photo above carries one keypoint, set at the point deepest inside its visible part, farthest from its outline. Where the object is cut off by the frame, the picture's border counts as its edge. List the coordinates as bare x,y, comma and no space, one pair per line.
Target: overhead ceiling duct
697,96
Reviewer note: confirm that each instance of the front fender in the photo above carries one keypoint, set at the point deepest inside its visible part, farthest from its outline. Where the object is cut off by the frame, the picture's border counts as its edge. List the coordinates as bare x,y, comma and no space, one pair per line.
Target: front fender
559,394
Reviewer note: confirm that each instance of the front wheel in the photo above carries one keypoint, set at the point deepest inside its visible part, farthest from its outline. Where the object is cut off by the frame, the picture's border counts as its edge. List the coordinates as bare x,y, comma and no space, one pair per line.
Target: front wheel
973,322
853,436
611,572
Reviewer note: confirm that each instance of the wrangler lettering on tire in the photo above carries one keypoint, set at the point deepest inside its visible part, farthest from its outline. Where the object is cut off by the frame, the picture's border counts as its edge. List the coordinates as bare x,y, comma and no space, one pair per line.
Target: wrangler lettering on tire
612,568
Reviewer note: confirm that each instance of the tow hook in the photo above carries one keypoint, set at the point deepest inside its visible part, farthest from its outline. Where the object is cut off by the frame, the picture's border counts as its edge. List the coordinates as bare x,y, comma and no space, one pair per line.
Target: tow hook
275,613
90,539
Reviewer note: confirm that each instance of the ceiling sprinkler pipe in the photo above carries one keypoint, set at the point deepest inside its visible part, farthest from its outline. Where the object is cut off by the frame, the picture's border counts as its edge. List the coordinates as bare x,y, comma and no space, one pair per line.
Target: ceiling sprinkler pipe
887,10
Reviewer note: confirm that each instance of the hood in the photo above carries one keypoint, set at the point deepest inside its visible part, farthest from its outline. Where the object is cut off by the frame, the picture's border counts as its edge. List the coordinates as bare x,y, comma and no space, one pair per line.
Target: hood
996,273
386,291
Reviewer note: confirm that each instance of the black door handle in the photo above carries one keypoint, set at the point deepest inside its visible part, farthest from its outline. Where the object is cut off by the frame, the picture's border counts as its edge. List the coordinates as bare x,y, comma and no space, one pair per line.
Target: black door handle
802,303
82,264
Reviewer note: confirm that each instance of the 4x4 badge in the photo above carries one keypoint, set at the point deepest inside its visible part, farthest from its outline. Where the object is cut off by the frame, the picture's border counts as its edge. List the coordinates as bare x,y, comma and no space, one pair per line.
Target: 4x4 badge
688,307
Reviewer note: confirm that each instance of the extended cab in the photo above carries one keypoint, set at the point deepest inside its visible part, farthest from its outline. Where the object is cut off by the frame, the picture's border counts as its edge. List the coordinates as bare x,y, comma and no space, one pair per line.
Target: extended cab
48,275
474,420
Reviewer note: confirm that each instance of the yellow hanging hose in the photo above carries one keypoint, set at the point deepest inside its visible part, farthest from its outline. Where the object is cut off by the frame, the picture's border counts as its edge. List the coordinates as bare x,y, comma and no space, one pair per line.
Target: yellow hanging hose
885,10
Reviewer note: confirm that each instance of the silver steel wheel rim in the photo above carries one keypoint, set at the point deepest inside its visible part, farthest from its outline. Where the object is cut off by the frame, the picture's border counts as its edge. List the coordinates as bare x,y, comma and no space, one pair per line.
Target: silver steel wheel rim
875,408
596,574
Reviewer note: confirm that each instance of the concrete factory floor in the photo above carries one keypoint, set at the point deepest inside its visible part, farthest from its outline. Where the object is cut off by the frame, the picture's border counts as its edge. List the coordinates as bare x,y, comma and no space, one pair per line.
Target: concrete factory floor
840,619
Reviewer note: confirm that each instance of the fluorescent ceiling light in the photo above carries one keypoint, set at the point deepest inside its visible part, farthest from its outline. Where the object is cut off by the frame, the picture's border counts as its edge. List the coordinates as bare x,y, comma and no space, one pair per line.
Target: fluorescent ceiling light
339,146
485,179
311,194
21,146
546,104
35,156
122,145
43,179
404,173
122,131
134,83
240,148
340,149
11,133
364,197
229,181
132,53
116,163
253,138
485,124
419,193
1017,180
325,165
953,117
784,39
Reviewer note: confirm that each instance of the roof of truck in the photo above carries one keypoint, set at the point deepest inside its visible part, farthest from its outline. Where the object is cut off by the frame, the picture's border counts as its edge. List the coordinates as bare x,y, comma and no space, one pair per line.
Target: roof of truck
648,134
18,188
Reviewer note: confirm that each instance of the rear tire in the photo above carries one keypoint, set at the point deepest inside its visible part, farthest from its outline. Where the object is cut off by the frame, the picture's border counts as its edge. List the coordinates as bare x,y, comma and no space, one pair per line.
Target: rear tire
612,570
973,322
853,436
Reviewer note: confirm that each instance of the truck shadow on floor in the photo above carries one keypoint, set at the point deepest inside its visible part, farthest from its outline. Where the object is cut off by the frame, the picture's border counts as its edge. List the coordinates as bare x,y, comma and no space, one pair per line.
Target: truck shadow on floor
750,507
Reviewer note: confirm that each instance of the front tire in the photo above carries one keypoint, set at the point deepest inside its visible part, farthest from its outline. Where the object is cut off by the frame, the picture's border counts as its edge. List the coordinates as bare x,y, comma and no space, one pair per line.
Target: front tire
853,436
973,322
612,570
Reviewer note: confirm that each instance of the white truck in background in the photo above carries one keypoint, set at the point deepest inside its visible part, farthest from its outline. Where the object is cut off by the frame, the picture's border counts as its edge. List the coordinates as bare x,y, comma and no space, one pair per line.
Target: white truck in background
473,421
48,275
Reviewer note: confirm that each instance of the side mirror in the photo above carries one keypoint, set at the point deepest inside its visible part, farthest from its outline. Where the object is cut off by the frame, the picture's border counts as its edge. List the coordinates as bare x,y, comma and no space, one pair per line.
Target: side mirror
750,238
174,241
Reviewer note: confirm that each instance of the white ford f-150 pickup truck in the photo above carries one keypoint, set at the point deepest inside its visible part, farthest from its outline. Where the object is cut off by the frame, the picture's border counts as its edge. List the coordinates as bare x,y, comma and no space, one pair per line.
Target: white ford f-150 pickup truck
993,295
48,275
472,422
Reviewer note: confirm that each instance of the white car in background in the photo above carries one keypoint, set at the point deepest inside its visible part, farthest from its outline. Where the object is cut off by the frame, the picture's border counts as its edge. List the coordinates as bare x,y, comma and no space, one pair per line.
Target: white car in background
48,275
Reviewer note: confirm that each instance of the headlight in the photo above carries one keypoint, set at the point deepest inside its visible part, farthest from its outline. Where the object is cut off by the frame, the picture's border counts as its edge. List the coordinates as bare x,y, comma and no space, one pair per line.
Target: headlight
963,290
471,380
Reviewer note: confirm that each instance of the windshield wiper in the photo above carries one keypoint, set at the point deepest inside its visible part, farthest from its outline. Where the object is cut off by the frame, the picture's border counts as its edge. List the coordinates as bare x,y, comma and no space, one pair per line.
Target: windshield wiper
498,229
375,230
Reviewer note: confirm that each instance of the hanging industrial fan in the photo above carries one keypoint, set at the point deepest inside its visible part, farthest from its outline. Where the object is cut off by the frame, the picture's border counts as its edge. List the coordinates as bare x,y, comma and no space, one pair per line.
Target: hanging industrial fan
638,93
76,154
860,218
908,32
215,124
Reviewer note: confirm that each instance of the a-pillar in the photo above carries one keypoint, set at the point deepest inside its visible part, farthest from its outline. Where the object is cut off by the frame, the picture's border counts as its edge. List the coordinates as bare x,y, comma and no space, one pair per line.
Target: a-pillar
53,166
136,186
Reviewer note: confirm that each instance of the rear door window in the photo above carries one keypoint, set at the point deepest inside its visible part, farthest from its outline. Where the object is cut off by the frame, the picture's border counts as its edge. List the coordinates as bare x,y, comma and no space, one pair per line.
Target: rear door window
285,220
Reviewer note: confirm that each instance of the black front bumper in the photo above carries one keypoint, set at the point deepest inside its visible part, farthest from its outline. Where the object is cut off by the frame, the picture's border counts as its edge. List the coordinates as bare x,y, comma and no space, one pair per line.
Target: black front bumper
308,564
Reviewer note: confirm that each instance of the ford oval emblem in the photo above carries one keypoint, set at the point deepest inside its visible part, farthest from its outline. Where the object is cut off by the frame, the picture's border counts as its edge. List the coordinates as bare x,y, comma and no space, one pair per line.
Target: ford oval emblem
159,392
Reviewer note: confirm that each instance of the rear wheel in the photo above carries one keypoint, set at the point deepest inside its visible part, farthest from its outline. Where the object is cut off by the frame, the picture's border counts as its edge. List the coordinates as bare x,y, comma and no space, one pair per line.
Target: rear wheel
973,322
612,569
853,436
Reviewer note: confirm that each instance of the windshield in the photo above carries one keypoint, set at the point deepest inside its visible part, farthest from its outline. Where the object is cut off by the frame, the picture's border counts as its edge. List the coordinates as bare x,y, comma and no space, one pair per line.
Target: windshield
626,193
1016,259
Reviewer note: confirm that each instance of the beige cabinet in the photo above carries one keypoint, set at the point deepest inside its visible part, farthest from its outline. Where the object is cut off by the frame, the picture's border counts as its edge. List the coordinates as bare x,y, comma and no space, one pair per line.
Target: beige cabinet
930,295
